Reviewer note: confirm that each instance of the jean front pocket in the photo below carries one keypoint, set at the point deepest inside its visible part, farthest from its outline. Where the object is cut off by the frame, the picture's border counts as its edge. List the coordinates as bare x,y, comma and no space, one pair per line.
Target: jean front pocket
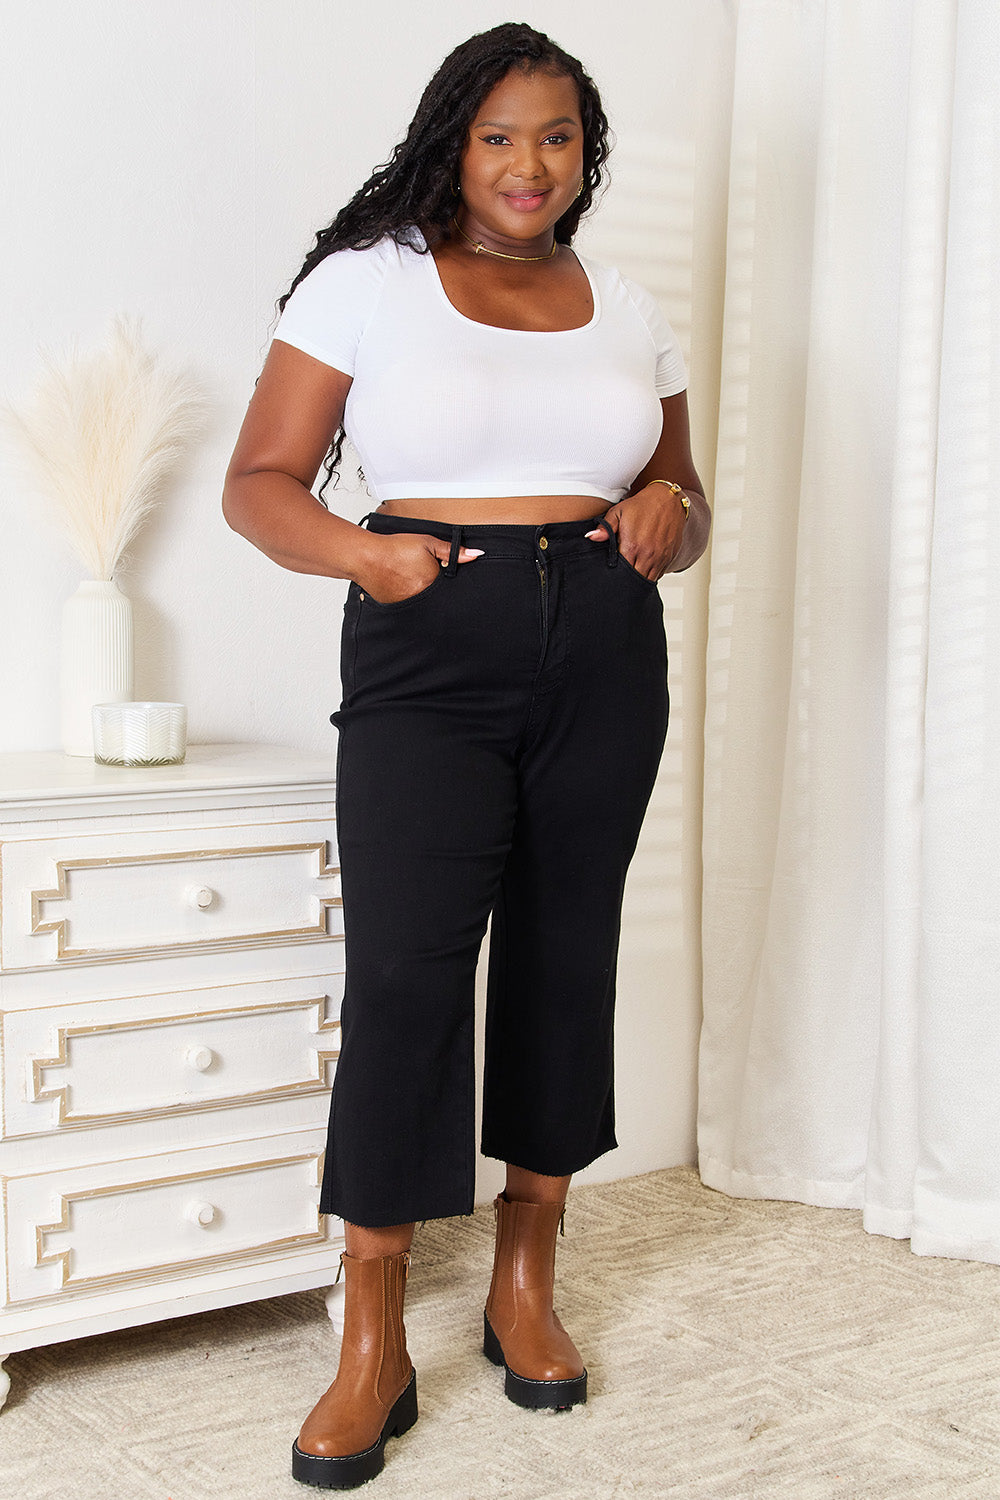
632,571
396,604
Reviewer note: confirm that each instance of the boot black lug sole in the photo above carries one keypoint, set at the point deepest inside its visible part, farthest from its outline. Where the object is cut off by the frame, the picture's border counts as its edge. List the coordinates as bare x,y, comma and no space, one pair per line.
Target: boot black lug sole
357,1468
536,1395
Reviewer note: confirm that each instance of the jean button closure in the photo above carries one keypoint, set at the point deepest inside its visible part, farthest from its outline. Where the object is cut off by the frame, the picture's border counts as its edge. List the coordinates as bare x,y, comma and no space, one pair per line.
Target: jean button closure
543,542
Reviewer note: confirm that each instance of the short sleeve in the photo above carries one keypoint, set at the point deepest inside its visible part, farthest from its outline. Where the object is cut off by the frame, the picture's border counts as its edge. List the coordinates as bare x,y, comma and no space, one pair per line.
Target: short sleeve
671,373
329,310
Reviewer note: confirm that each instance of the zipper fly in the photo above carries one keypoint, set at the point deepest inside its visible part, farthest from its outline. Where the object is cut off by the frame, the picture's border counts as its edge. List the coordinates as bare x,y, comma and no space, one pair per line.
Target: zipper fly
543,604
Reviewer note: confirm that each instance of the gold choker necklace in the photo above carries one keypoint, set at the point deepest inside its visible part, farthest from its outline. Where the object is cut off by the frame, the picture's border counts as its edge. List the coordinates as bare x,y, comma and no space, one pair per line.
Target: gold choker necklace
480,248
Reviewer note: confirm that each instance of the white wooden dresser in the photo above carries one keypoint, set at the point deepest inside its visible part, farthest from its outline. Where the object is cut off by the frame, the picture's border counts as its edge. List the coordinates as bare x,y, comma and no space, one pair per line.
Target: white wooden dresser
171,964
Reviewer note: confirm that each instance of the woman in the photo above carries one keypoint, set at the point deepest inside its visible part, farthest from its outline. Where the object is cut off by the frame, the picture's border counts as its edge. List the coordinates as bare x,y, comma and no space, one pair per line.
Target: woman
520,413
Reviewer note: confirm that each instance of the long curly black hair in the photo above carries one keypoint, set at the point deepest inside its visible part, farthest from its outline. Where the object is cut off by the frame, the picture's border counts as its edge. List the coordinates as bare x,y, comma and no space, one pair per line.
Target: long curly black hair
416,186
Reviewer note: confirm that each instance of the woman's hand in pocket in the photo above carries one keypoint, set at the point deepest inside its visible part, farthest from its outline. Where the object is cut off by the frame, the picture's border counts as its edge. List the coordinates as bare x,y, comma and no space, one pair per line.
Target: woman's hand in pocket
403,564
649,532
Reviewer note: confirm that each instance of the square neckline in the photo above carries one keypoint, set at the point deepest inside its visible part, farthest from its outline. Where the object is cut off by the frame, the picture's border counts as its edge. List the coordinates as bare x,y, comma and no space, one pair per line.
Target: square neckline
523,332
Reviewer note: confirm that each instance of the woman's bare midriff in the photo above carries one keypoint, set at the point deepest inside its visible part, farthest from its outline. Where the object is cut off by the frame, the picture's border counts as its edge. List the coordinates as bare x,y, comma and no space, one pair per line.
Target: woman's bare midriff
502,510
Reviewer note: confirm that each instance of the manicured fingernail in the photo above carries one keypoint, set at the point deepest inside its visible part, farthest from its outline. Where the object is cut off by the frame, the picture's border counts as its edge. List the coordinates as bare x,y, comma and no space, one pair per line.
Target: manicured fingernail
473,551
596,535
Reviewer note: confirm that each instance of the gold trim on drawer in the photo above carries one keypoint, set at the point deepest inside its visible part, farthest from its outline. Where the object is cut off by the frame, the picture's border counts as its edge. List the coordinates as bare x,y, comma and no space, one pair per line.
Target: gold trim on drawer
62,1258
41,1093
64,866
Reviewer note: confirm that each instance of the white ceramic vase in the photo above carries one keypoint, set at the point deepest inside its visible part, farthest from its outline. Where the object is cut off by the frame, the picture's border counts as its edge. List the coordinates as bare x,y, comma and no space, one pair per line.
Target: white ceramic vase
96,659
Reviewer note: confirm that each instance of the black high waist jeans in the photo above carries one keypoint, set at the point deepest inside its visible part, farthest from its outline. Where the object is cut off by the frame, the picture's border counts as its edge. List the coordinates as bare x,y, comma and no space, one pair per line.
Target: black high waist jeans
499,738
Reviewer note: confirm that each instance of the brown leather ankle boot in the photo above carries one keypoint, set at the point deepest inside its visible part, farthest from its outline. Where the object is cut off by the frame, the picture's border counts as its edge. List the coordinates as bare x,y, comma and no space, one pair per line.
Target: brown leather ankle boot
521,1331
374,1396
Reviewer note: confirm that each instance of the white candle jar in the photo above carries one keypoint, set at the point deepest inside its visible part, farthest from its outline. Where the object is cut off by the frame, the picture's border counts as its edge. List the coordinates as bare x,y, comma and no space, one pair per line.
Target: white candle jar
139,734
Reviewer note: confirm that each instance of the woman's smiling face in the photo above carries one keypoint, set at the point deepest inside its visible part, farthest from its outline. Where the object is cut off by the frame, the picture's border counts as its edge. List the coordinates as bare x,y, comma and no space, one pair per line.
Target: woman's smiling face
523,159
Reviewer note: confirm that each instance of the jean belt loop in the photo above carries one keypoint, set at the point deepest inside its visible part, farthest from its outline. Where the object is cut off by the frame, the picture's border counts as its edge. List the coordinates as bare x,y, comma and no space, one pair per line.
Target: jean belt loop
612,543
456,543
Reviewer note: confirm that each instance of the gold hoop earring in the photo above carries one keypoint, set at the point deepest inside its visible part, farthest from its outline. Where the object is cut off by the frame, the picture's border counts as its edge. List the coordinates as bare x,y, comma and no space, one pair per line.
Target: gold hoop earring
580,188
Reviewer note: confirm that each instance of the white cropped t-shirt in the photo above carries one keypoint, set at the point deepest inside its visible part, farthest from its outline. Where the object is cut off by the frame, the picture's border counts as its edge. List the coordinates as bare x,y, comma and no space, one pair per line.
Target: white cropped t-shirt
442,406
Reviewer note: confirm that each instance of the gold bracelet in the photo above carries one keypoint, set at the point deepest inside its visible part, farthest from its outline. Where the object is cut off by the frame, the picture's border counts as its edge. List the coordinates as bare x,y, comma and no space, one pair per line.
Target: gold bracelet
677,491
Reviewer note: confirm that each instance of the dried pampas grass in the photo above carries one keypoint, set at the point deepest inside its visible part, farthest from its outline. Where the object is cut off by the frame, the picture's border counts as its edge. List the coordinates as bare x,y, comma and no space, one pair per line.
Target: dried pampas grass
100,436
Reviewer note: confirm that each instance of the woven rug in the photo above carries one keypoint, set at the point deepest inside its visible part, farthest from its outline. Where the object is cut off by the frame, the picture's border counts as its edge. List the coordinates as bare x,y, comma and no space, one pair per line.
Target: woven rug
737,1350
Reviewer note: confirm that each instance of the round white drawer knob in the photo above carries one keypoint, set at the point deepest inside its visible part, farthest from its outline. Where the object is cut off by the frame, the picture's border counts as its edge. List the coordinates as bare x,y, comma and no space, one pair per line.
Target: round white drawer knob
200,1213
199,1058
201,897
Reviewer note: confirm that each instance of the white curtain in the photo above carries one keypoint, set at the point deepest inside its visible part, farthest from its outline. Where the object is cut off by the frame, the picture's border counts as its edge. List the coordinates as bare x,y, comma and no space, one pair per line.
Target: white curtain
850,1051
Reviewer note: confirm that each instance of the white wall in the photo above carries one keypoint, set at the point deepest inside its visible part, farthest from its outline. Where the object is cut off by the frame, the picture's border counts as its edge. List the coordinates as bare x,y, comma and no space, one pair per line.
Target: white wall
174,158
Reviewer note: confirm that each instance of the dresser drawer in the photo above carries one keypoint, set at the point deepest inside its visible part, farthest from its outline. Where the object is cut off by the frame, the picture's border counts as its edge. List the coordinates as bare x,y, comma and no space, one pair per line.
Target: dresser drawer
79,1230
102,1062
77,898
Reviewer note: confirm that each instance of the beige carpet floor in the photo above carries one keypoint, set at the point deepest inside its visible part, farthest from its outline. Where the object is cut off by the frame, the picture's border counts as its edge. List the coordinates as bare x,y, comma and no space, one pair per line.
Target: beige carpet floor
737,1351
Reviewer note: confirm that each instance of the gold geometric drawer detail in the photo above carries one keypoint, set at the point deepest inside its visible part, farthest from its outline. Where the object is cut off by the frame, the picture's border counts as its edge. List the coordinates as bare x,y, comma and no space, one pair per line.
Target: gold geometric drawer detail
110,1064
101,900
85,1235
